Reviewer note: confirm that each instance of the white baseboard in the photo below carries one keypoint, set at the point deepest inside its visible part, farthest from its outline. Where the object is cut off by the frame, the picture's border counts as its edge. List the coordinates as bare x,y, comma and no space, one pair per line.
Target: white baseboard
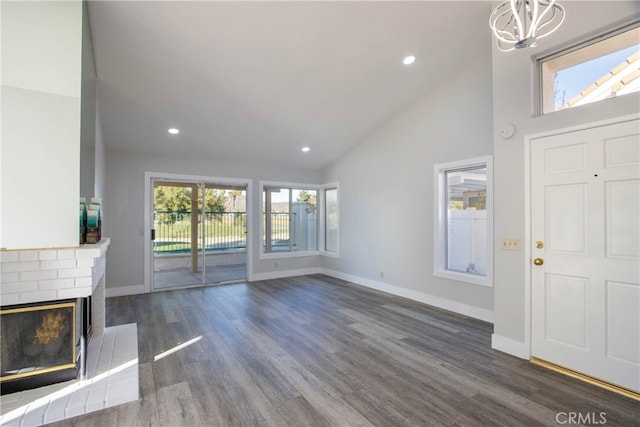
120,291
509,346
446,304
284,273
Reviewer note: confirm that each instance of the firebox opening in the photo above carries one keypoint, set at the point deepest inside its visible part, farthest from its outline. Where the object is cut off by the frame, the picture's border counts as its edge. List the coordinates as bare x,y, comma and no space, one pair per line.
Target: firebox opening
42,343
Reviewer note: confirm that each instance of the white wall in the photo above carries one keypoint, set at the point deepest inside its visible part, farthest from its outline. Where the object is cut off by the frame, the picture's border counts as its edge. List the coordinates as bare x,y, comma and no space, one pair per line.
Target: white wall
41,45
100,159
512,103
124,207
88,129
386,190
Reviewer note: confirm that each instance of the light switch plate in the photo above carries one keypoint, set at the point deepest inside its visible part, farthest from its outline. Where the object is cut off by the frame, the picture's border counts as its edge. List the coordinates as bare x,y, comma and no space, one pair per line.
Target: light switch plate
510,244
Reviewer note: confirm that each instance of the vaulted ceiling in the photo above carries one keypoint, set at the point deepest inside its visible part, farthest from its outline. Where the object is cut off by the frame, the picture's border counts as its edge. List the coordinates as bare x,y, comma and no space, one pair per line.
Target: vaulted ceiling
257,81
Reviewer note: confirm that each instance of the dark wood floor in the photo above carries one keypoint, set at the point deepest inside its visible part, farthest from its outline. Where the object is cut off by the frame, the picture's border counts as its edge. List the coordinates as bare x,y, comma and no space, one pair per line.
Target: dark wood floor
317,351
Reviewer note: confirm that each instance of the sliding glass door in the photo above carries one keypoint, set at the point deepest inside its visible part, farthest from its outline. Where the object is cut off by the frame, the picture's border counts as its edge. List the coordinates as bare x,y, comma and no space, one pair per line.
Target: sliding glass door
199,234
176,247
224,233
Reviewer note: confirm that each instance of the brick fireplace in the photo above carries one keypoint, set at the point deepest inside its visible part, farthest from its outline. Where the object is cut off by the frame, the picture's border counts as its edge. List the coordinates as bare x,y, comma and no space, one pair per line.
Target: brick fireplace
55,293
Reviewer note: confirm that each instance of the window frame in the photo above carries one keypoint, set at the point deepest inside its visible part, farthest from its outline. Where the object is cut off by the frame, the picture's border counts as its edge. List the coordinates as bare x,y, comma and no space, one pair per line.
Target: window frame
440,230
549,62
324,250
321,218
286,253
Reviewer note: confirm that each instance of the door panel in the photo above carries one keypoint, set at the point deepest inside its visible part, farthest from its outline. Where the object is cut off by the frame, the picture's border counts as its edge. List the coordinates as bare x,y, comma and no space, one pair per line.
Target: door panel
623,219
565,218
566,309
623,321
565,159
622,151
585,198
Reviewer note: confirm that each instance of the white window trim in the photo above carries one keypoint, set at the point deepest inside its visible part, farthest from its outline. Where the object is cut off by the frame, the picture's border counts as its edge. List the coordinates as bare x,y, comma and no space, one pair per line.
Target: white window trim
440,227
323,223
321,217
287,254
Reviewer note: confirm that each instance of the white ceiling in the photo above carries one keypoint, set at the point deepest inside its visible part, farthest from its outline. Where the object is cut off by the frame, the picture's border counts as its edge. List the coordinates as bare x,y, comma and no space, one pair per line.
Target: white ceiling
259,80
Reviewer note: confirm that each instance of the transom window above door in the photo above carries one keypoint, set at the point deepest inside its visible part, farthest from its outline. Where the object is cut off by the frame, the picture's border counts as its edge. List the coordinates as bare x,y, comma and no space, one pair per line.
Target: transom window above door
604,67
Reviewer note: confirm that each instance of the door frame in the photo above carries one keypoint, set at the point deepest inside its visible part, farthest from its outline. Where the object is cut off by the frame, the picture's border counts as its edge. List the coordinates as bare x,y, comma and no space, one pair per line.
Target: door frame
150,176
528,140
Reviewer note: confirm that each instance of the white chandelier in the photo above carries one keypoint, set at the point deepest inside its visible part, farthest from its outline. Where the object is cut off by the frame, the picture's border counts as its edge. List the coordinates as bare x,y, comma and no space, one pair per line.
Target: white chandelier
521,23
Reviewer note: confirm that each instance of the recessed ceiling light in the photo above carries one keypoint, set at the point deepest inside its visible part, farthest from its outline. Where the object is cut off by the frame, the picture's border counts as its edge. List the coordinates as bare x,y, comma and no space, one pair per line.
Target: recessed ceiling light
408,60
305,149
173,131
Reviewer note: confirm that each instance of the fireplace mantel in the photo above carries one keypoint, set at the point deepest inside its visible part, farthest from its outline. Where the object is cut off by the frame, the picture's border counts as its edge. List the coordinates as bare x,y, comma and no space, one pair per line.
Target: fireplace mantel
36,275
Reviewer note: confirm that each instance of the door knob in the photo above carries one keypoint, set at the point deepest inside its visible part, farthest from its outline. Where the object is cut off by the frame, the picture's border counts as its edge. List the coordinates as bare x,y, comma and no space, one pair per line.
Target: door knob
539,244
538,261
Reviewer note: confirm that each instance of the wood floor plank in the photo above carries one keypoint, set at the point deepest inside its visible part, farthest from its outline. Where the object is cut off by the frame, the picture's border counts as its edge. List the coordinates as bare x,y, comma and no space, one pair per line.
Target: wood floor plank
257,338
263,373
319,351
378,410
215,405
144,411
254,407
617,412
222,363
299,412
176,406
423,319
167,371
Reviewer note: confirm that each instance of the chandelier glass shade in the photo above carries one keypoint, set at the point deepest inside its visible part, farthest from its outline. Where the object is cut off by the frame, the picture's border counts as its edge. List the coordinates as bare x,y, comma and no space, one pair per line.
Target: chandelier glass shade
517,24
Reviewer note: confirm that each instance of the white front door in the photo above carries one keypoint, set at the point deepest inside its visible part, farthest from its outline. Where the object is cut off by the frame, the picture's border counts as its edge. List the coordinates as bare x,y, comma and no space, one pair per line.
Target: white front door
585,202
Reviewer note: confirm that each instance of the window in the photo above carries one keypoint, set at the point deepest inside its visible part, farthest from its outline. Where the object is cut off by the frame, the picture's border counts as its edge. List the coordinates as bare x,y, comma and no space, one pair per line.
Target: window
464,222
290,219
331,219
601,68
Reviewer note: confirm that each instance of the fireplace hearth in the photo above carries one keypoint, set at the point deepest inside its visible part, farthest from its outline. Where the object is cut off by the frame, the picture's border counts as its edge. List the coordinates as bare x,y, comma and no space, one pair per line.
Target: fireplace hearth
43,343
